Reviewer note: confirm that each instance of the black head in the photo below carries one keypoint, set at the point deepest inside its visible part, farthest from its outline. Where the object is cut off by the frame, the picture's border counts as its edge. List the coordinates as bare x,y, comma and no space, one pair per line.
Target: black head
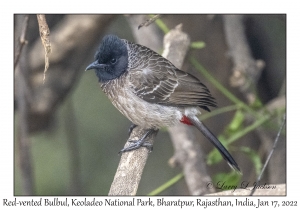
111,59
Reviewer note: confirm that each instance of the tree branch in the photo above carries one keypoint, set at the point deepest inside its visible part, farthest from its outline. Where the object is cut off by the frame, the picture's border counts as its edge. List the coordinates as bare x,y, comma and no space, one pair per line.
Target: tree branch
23,141
72,38
131,166
149,21
22,40
279,157
188,151
149,36
269,156
246,70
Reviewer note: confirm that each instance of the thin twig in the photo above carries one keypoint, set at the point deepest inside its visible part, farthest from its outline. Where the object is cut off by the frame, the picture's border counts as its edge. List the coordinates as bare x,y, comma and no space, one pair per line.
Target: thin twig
23,41
23,141
218,111
149,21
152,32
24,144
166,185
220,87
269,156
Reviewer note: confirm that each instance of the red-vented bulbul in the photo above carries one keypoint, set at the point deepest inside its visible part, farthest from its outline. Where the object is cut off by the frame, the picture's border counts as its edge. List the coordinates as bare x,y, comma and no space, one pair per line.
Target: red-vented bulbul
150,91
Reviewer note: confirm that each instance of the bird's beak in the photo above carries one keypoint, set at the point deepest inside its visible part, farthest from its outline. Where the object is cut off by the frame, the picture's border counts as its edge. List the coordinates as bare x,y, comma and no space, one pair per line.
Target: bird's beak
95,65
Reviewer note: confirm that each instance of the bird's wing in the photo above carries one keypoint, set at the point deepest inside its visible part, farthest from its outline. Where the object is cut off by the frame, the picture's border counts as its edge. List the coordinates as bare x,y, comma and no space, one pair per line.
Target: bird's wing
159,81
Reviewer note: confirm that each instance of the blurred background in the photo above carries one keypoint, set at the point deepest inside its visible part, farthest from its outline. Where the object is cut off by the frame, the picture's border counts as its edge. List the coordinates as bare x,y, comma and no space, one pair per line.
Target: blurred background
68,134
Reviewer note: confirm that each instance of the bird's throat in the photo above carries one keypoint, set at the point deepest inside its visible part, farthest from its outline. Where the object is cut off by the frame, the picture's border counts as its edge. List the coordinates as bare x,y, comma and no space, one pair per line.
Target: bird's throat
186,120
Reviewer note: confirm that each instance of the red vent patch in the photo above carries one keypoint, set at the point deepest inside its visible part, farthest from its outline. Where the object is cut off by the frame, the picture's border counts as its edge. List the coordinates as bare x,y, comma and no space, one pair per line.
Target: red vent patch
186,120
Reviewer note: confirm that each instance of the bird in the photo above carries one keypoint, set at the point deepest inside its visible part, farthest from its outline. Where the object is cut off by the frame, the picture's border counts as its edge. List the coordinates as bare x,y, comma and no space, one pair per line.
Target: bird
151,92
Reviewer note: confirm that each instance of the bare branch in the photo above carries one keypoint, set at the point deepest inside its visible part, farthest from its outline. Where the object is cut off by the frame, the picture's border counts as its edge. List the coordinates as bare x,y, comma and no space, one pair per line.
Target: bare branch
246,70
149,21
270,155
22,40
188,151
150,36
23,141
72,38
131,166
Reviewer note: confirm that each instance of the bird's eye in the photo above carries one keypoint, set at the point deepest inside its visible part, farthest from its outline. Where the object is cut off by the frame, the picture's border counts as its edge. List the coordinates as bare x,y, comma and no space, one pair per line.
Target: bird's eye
113,61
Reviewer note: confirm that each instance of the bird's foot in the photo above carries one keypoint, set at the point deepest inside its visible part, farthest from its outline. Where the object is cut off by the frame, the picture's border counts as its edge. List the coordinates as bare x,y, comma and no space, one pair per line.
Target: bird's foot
136,144
131,129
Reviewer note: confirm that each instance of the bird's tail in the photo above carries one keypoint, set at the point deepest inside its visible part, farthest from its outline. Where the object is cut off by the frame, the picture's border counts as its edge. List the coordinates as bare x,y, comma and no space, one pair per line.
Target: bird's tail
211,137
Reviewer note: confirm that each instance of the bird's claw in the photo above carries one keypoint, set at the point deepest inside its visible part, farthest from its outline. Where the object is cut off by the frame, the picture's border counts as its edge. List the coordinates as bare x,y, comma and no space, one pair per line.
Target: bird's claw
136,144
